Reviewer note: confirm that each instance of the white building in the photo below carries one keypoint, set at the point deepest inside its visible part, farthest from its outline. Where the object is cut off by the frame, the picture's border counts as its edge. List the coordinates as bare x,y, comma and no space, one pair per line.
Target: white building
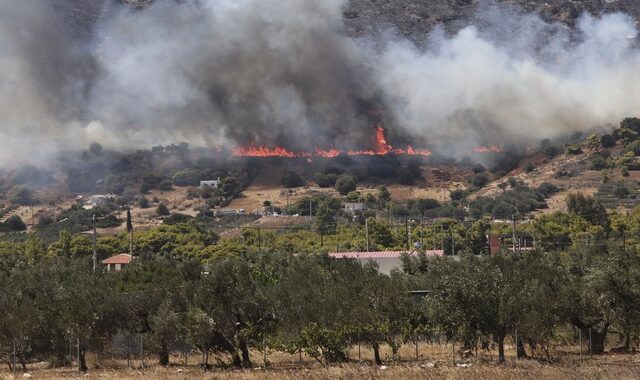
353,206
210,183
117,263
386,260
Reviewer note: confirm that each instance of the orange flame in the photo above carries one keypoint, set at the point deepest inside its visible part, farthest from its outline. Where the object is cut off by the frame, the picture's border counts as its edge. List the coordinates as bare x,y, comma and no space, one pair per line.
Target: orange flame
263,151
382,147
487,149
330,153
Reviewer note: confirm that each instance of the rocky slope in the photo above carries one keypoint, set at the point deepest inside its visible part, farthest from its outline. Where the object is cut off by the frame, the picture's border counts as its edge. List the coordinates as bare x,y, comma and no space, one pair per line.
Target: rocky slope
414,18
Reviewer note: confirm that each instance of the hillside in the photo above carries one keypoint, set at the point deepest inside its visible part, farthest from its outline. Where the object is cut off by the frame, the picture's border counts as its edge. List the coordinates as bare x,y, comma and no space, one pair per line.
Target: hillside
414,18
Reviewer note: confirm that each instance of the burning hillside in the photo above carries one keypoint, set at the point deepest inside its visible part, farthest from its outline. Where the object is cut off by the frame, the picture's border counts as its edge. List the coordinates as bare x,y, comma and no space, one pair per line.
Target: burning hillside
381,148
291,78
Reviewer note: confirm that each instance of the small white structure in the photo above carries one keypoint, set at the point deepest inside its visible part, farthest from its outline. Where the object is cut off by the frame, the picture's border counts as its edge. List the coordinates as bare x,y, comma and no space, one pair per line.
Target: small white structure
239,211
353,206
386,260
117,263
97,200
210,183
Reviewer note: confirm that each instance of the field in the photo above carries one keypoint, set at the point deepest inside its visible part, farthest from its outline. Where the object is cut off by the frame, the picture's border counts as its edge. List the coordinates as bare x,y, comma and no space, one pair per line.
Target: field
435,362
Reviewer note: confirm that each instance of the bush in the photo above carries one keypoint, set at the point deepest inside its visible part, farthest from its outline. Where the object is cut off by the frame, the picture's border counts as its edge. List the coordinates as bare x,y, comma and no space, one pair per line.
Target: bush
187,177
108,221
621,191
634,147
547,189
458,195
176,219
162,210
143,202
345,184
529,167
598,163
326,180
550,151
607,141
292,179
21,195
632,123
353,196
573,150
480,180
165,185
15,223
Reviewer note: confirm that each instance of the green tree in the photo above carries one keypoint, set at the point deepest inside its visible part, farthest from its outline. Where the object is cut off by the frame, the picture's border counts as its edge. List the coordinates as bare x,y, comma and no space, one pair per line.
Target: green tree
345,184
384,196
325,221
292,179
162,210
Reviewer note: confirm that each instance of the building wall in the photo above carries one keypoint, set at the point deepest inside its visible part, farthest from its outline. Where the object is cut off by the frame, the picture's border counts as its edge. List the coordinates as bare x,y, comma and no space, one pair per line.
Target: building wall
385,265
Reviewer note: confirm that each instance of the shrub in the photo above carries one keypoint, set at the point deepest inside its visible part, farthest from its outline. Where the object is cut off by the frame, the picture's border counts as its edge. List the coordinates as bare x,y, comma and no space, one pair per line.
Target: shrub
143,202
326,180
21,195
529,167
598,163
621,191
547,189
480,180
176,219
550,151
345,184
15,223
162,210
292,179
607,141
353,196
458,195
573,150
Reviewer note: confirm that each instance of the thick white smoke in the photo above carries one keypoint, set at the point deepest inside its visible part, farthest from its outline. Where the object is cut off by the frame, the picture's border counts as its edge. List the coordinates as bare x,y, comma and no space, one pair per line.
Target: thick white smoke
284,72
513,83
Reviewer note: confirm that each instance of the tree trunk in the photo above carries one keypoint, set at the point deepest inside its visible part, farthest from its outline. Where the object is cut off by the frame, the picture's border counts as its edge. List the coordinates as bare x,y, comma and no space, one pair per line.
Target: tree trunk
520,350
598,337
500,337
164,354
246,360
627,340
376,353
82,365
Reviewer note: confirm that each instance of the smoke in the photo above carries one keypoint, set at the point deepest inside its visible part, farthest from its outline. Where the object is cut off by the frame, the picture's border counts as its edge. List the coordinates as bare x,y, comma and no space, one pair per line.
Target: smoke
516,80
233,72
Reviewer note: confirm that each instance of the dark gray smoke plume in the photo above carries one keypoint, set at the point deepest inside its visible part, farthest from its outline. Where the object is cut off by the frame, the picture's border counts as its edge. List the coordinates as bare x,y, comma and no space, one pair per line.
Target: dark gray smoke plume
233,72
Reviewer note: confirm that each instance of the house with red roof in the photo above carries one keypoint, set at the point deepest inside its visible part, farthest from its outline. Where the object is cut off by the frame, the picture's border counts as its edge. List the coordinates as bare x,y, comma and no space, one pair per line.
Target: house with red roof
386,260
117,263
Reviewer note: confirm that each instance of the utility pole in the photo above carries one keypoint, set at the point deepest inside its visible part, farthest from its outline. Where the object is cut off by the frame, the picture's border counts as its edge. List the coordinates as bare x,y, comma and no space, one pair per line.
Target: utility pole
14,355
310,211
514,233
366,227
130,231
95,248
406,229
453,244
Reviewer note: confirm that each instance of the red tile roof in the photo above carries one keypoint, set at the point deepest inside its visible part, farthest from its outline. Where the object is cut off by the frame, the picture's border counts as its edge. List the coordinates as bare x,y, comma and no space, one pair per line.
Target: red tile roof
123,258
382,254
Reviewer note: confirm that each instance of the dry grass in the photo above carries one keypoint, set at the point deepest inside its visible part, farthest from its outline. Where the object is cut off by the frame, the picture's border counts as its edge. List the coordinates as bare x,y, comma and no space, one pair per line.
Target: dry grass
435,362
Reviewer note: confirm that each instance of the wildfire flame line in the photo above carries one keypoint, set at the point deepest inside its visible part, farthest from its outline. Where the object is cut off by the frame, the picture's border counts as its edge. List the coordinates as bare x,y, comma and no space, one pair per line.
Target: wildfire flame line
382,148
487,149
